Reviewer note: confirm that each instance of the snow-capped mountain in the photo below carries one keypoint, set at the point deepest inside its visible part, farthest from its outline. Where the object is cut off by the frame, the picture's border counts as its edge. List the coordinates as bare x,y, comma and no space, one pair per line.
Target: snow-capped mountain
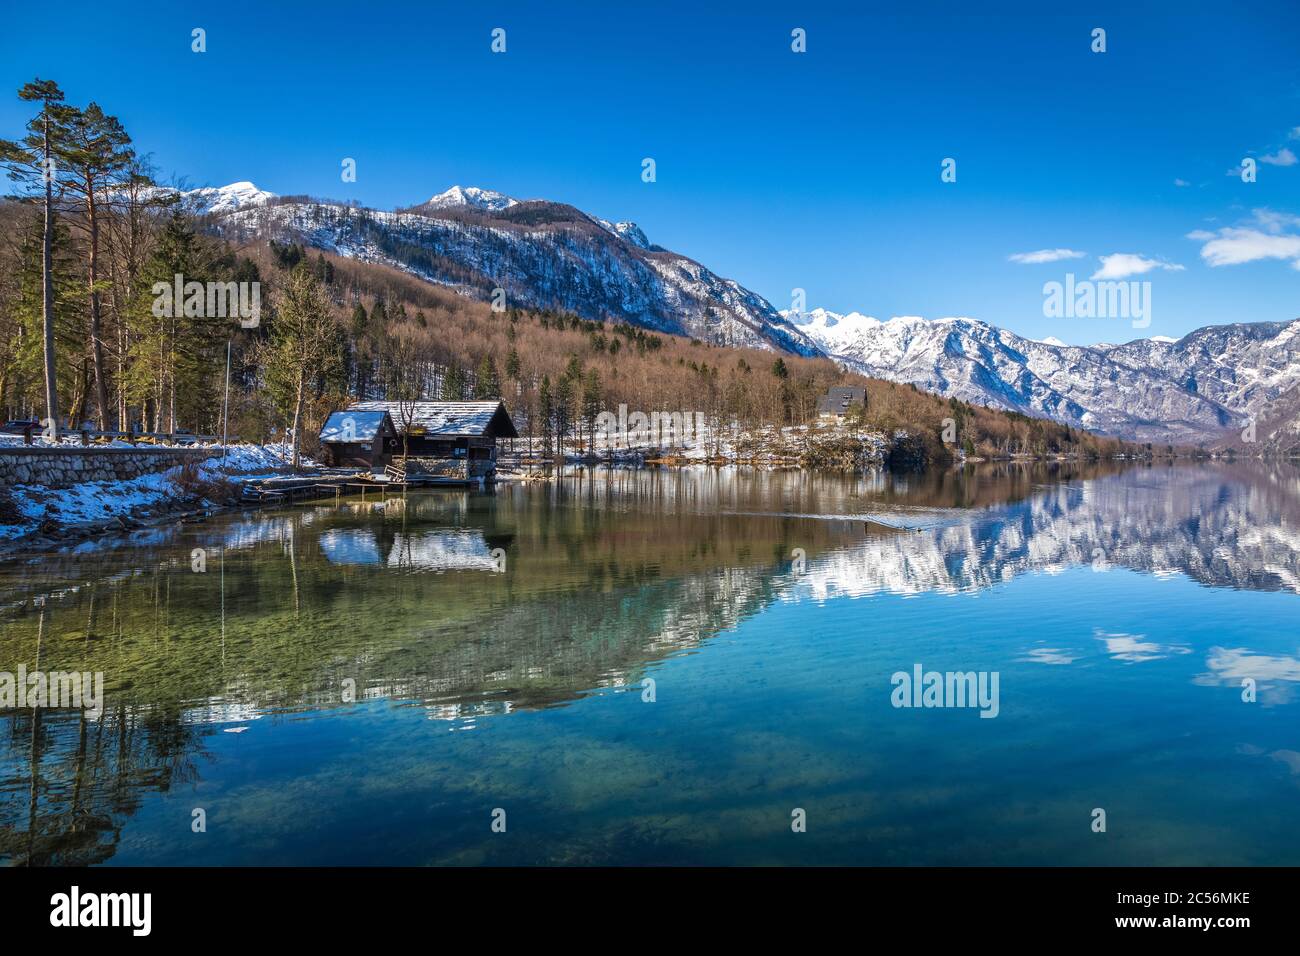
543,254
208,200
627,230
471,197
1188,390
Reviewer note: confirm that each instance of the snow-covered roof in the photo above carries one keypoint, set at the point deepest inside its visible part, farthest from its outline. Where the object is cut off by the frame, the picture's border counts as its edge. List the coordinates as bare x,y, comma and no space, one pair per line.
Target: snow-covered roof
447,418
354,425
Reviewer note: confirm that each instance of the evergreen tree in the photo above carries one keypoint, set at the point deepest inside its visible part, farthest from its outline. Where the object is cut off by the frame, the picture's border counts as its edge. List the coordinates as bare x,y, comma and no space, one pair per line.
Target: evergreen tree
563,412
22,316
359,350
170,351
304,343
486,383
546,411
453,384
32,162
591,400
97,153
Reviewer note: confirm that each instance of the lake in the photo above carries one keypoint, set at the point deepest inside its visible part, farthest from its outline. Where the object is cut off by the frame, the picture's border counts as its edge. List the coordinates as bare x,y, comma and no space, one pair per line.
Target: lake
678,666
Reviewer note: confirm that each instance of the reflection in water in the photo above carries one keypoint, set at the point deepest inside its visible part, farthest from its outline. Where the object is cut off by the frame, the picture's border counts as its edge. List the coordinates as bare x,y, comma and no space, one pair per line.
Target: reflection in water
604,578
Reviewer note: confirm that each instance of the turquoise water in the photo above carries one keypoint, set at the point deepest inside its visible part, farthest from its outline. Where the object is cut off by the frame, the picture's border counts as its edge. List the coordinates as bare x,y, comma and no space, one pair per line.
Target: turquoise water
765,615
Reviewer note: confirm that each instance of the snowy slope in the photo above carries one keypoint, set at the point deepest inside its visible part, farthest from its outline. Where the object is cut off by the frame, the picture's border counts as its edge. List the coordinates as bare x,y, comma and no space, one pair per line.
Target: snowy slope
221,199
544,254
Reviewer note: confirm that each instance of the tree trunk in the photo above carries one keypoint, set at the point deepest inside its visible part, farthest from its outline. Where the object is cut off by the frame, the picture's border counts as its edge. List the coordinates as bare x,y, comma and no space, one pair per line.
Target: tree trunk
297,416
171,398
96,342
47,274
78,406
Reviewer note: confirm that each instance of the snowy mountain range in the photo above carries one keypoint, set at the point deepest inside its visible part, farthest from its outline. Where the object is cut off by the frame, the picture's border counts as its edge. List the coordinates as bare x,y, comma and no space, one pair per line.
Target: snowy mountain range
1203,388
1210,383
543,254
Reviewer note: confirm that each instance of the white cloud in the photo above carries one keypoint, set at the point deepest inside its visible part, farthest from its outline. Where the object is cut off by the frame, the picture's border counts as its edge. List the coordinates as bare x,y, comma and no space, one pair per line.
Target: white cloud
1231,665
1295,133
1264,236
1121,265
1283,157
1049,655
1045,255
1273,221
1134,649
1181,182
1233,246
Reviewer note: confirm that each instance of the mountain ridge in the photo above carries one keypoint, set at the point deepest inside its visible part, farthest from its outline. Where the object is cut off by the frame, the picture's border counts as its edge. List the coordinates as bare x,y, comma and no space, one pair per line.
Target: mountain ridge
1195,389
1198,389
543,254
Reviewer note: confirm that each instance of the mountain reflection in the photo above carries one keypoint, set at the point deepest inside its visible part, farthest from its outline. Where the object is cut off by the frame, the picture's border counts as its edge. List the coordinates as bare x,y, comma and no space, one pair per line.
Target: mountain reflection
473,605
1223,526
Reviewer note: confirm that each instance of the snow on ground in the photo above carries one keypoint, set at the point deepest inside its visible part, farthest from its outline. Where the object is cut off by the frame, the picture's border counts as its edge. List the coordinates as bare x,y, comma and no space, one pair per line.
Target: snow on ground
66,440
101,501
765,445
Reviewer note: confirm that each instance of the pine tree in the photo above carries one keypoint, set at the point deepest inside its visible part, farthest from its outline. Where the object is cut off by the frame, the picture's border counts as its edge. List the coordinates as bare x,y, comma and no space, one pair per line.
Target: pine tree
359,322
171,354
486,382
564,392
453,384
304,343
97,153
546,411
591,399
22,318
32,161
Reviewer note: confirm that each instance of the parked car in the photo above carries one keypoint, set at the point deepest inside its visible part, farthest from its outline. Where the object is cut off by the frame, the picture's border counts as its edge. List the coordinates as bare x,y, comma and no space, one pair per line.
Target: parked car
17,426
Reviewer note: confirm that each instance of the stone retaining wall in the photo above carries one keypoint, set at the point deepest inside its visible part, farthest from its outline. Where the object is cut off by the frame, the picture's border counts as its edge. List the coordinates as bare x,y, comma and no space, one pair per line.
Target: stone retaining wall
66,467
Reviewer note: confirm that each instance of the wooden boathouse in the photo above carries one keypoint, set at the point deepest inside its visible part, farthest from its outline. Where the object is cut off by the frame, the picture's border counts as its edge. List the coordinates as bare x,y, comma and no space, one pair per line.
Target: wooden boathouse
356,439
448,440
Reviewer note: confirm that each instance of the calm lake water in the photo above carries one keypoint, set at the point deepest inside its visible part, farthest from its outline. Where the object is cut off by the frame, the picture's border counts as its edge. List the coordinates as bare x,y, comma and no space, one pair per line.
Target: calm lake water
647,667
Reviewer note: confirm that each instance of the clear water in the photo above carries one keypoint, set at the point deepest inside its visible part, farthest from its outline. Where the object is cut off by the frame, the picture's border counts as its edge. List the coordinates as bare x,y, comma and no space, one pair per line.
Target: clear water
500,646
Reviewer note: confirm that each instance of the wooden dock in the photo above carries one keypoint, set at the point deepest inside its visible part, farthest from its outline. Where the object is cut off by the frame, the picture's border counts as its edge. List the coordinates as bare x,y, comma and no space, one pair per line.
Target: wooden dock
336,485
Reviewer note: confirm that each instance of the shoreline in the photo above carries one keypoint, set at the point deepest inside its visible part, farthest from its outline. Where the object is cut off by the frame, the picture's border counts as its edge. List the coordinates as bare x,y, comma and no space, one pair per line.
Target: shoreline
194,507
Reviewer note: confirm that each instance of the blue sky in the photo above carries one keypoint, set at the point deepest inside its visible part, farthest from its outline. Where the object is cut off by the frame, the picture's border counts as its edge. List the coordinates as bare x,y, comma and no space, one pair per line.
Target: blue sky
818,170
